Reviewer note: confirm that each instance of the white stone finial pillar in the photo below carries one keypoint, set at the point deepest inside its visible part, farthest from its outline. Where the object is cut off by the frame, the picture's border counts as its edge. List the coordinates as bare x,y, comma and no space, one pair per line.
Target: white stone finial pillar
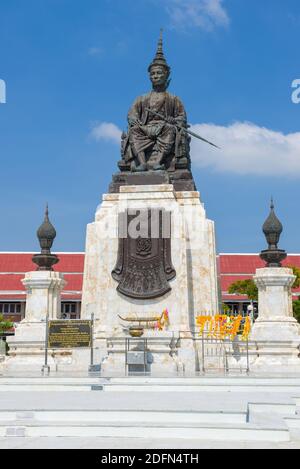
43,295
27,346
275,321
276,332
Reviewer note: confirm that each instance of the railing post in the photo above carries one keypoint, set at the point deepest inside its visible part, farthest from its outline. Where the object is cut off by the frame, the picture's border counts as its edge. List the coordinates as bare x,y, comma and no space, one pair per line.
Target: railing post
247,348
203,354
46,367
92,343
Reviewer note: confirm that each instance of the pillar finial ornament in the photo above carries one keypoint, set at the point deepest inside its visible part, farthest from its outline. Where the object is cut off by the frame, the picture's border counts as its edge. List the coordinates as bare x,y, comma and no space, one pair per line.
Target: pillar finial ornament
46,235
272,228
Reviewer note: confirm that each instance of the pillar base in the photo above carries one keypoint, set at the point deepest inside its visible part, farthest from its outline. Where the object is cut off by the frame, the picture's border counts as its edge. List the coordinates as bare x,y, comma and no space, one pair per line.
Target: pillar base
276,333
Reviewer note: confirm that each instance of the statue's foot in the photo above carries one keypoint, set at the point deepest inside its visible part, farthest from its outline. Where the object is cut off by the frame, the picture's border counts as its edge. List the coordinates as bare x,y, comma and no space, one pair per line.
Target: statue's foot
158,167
141,167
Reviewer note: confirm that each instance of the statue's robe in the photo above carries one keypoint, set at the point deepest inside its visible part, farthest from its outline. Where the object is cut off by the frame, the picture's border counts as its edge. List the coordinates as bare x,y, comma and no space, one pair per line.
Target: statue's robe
152,129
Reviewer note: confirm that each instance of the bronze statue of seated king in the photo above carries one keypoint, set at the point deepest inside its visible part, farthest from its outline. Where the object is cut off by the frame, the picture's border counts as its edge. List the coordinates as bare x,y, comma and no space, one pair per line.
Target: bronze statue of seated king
156,147
155,139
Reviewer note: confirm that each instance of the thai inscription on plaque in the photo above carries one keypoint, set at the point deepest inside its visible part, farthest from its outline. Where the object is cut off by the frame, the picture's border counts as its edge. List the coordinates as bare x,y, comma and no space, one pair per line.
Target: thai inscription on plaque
69,334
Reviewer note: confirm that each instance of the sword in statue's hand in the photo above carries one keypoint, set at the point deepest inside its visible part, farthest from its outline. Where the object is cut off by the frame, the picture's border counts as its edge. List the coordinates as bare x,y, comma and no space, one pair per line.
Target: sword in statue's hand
181,127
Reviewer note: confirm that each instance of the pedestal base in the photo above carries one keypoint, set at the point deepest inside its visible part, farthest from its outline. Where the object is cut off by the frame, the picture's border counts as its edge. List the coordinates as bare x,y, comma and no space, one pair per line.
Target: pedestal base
194,288
156,355
27,353
275,357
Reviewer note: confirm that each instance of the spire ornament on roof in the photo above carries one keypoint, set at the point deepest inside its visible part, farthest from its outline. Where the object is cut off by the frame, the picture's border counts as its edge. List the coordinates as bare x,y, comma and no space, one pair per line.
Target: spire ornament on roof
272,229
46,235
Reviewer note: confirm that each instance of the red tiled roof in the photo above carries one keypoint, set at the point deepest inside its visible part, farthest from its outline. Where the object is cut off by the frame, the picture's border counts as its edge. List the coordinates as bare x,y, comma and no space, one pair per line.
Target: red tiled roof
13,267
21,262
235,267
74,282
12,296
248,263
233,298
11,282
227,280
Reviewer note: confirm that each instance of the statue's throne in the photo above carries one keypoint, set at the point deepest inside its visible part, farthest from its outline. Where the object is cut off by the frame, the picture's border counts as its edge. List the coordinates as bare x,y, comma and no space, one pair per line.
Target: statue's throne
179,157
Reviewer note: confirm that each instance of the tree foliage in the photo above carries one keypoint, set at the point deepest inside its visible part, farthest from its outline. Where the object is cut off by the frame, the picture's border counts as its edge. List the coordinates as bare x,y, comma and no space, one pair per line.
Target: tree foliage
244,287
249,289
296,309
296,272
4,325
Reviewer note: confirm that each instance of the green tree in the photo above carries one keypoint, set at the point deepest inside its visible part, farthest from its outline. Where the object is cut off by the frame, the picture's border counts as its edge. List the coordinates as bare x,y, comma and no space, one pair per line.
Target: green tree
296,309
248,288
244,287
4,325
296,272
225,308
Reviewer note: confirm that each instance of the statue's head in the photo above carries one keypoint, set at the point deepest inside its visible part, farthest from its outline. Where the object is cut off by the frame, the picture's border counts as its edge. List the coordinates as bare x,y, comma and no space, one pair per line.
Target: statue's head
159,76
159,70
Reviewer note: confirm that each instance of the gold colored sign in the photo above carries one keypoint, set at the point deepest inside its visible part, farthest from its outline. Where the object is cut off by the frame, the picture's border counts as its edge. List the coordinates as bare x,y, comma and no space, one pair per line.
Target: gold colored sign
69,334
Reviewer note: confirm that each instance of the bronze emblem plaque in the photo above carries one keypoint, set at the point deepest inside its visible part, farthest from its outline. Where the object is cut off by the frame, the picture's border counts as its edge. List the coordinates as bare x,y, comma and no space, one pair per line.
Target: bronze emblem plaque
144,266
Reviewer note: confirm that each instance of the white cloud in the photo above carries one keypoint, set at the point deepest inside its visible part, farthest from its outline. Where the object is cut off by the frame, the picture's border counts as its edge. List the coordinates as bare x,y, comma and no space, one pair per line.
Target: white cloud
106,131
247,149
204,14
96,51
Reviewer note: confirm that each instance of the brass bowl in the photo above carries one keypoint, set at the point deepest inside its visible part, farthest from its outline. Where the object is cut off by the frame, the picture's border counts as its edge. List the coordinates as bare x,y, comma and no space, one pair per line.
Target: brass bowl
136,331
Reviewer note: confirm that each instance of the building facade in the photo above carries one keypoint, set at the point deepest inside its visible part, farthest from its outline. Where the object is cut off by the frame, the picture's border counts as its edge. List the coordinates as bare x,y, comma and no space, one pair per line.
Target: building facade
14,265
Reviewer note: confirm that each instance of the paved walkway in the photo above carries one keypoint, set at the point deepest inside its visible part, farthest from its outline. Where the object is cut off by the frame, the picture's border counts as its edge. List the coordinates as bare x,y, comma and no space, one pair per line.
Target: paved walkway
97,400
128,443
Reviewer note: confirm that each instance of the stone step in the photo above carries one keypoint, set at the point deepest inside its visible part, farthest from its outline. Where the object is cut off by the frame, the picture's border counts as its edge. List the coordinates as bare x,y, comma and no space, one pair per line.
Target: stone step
282,409
50,380
47,383
47,387
205,380
290,386
297,401
185,388
293,422
123,417
229,432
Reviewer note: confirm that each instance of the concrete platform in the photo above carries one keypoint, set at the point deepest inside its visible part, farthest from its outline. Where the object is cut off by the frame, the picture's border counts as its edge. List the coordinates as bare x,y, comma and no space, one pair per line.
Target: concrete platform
143,412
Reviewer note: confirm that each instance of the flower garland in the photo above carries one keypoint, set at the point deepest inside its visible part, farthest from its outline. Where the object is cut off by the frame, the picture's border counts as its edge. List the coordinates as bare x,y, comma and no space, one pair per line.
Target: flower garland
247,328
222,326
163,321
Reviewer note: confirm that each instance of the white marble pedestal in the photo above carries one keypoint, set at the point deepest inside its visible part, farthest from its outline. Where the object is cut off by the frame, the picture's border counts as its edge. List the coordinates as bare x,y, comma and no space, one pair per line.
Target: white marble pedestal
276,332
27,346
193,291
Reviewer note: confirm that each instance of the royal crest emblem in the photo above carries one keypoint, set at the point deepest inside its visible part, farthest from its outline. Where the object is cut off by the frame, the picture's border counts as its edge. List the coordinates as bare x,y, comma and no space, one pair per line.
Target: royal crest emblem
144,266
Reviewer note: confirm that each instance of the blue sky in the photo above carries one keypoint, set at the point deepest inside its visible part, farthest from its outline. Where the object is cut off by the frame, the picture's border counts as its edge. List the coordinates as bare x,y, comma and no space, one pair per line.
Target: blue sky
71,66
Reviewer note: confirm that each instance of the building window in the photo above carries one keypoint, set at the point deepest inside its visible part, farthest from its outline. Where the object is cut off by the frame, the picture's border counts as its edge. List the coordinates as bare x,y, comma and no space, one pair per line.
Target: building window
10,308
70,311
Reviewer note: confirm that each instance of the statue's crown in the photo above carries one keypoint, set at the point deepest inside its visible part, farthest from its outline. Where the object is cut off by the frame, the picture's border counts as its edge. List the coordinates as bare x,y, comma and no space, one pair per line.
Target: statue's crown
159,58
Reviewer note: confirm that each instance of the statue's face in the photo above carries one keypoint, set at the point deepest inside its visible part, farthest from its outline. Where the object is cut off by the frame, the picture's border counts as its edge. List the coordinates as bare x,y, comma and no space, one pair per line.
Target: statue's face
158,75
